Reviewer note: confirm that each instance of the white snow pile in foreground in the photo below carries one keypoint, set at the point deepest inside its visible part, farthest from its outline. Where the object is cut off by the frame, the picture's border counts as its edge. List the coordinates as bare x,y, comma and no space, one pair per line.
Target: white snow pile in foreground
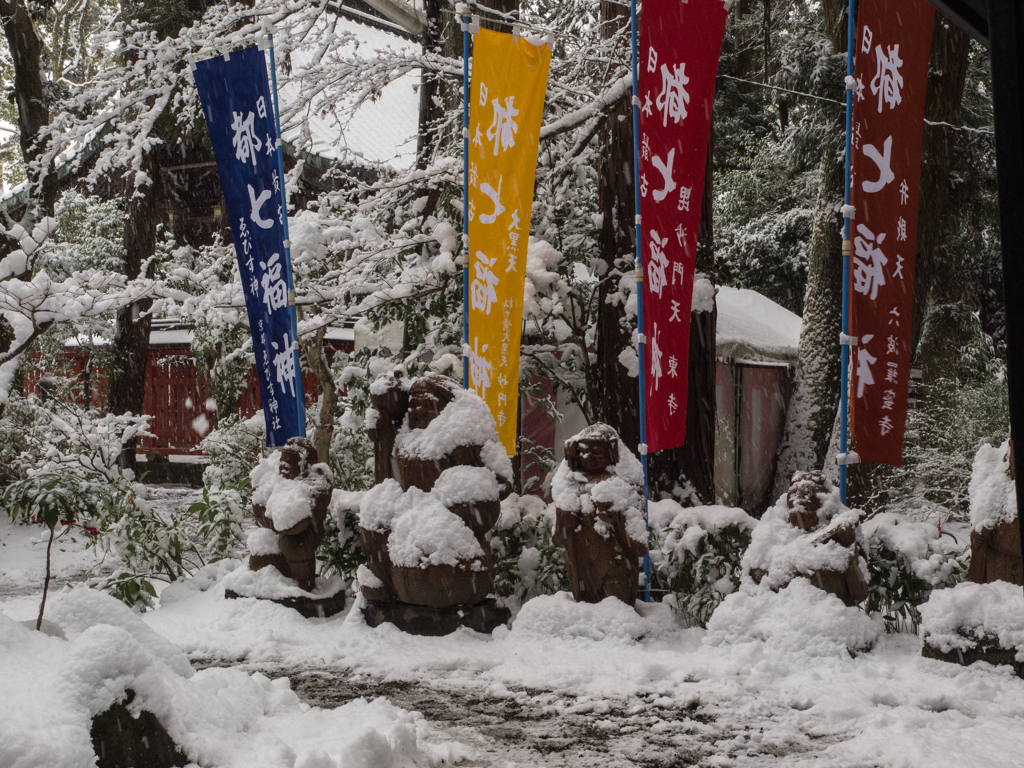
611,620
928,554
798,619
287,501
992,495
969,613
52,688
782,551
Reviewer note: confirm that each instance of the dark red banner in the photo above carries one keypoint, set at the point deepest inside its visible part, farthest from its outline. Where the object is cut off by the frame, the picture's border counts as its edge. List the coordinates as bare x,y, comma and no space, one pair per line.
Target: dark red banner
678,59
891,73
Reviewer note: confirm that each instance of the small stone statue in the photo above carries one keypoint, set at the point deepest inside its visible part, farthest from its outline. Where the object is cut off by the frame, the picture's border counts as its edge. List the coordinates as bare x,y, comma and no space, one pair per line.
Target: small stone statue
292,503
599,515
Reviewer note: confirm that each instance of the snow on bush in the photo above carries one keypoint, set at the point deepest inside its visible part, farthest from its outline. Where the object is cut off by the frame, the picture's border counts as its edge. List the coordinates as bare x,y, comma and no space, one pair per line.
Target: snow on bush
798,619
611,620
992,495
781,551
970,614
907,560
695,558
528,563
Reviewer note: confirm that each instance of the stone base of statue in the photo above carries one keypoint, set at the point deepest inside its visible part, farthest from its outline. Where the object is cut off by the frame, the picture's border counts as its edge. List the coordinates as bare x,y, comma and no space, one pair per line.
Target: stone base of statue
987,649
424,620
326,599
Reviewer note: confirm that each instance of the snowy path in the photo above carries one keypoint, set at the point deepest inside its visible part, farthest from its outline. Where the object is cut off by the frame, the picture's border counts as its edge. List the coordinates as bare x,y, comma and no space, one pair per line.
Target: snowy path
542,728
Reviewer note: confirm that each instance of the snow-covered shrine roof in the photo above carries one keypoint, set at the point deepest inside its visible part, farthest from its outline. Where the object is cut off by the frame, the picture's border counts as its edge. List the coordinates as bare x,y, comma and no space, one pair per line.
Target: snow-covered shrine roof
753,327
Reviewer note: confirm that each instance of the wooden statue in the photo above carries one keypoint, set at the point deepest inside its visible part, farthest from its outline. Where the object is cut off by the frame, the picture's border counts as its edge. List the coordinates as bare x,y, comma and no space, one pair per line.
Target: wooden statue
298,542
599,516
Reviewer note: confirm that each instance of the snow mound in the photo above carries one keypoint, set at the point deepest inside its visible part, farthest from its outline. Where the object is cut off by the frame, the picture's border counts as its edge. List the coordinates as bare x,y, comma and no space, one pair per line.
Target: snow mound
200,581
992,495
430,534
381,505
800,619
270,584
263,541
78,610
959,618
782,551
465,485
222,717
713,518
611,620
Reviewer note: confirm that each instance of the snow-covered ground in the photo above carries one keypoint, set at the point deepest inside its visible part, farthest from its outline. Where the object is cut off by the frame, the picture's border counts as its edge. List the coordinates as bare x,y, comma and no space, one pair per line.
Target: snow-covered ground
773,682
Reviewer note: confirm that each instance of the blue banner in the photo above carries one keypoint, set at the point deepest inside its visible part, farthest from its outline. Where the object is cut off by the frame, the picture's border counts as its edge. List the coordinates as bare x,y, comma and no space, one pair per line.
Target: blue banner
241,117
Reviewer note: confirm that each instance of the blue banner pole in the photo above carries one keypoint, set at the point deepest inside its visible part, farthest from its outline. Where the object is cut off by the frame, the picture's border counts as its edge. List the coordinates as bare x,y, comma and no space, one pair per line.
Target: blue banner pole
639,274
465,198
300,392
844,374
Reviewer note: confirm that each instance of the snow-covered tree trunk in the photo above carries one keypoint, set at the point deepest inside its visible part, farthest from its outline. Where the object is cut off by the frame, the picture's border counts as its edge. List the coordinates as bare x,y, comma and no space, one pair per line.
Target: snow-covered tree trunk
618,403
130,347
321,369
947,72
815,399
26,51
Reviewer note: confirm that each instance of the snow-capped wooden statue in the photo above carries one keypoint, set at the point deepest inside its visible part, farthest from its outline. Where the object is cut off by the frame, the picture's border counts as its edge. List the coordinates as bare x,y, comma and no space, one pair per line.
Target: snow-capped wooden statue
440,473
995,527
809,533
291,494
599,515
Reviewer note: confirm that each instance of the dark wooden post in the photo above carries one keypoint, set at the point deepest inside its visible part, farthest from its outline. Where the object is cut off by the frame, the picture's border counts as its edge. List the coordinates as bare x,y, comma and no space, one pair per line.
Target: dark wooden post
1006,46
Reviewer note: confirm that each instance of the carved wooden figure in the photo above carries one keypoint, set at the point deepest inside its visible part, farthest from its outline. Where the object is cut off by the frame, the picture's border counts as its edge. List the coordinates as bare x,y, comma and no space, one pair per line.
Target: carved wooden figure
600,554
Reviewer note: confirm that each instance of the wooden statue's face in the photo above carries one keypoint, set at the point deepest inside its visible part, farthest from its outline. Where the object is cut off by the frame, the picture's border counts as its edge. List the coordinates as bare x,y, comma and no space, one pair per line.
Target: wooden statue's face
424,407
593,456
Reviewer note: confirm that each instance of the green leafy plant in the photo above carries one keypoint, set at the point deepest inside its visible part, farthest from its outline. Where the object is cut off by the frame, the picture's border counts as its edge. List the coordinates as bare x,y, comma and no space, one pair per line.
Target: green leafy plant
694,567
52,499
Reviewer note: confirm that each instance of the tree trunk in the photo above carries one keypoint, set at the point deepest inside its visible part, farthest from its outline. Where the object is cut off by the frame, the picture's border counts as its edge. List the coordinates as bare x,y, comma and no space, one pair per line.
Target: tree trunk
618,403
947,72
130,348
321,369
33,113
812,409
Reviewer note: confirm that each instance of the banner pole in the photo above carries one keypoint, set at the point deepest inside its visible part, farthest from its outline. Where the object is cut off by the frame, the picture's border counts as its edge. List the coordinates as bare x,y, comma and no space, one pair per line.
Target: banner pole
465,197
639,274
844,374
300,399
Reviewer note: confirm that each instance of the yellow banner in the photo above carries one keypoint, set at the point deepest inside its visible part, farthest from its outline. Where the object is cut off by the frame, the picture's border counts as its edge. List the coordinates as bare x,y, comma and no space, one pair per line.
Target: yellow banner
510,78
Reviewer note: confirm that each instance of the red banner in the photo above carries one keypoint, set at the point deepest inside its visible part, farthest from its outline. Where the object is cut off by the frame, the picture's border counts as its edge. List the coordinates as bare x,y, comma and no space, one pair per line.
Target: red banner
891,73
678,59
